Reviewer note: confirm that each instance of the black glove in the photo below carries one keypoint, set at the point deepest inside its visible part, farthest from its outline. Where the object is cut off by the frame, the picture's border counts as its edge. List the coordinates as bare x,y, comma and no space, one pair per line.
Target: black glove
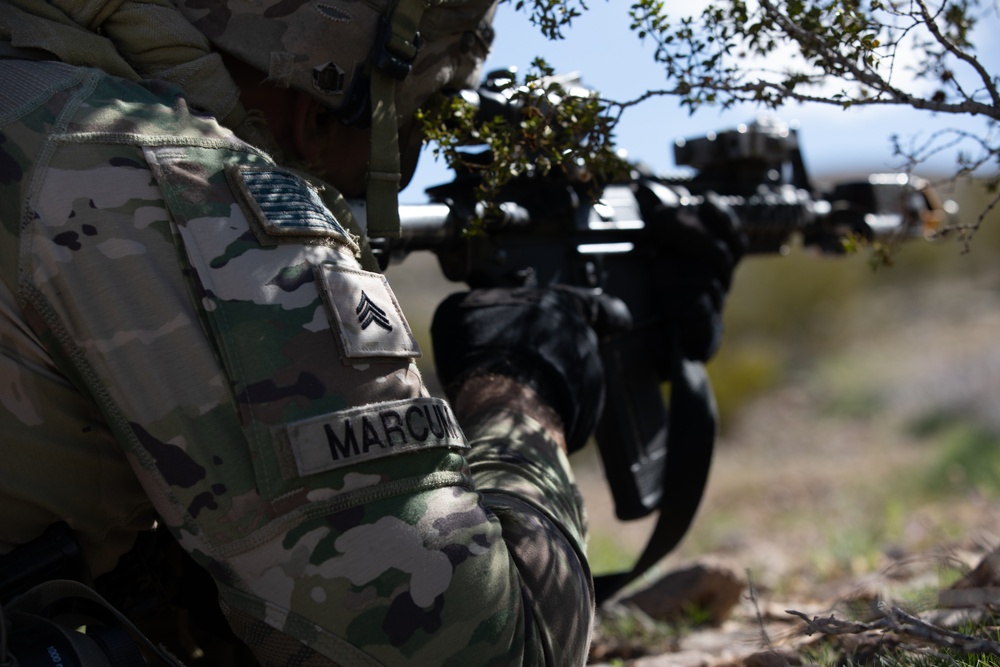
545,338
703,246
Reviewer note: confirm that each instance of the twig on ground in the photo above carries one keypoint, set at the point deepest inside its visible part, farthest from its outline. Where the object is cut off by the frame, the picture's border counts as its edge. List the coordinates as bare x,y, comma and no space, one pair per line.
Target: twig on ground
905,625
752,596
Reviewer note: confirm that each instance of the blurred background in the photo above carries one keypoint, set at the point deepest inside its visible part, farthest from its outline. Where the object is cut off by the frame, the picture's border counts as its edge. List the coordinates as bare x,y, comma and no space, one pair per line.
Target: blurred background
860,407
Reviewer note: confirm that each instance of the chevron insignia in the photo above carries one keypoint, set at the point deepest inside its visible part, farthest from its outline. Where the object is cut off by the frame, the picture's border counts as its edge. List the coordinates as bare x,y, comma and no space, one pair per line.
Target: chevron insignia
364,314
369,313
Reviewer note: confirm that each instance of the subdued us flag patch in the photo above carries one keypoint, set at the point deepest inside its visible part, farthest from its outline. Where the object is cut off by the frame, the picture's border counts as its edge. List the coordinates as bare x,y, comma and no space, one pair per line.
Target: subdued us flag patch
283,208
364,314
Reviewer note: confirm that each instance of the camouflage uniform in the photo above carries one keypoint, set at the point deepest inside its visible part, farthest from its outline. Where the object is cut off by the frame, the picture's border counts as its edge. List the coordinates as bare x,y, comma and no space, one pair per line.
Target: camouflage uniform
186,333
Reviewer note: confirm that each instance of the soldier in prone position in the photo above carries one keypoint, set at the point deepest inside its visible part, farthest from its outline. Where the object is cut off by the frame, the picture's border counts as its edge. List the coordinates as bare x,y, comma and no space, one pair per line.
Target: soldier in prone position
192,332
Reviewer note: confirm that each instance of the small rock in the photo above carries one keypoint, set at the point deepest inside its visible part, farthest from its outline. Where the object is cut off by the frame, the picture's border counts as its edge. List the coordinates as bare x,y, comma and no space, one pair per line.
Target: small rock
985,575
681,659
778,657
978,588
707,587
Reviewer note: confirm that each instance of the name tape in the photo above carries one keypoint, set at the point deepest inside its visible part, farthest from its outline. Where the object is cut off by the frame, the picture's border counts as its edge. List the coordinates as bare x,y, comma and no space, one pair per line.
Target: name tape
370,432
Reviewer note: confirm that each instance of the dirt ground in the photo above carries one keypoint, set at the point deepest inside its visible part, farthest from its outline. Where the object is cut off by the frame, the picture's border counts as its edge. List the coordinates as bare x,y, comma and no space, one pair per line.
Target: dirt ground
818,492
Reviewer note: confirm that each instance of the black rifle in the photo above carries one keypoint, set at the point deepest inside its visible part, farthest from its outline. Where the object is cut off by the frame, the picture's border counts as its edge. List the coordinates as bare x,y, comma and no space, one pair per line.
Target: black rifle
551,230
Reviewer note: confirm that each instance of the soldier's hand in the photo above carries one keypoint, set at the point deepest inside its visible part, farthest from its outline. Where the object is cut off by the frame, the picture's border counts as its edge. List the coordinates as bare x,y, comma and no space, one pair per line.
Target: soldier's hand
704,246
543,338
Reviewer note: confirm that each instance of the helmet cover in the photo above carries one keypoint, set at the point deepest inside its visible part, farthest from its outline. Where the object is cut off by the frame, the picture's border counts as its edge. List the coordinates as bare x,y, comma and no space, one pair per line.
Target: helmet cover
326,47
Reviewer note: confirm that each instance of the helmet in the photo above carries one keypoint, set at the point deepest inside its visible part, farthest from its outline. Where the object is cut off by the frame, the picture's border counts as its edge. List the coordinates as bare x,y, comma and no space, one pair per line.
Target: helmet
371,61
328,48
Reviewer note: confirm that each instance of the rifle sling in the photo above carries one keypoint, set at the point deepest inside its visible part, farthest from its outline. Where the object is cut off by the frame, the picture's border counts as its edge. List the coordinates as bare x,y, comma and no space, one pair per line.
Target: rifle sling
692,422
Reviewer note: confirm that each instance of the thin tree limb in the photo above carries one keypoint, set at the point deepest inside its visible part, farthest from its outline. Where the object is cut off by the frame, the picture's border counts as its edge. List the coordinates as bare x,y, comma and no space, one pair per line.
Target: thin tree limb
905,625
964,56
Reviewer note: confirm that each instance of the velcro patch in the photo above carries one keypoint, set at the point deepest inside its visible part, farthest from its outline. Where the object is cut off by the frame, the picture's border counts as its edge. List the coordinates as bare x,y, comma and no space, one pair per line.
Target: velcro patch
283,208
370,432
364,314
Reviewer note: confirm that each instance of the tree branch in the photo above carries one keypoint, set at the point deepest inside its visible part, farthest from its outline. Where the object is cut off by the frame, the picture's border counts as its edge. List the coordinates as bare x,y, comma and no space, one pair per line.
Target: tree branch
805,37
964,56
753,89
901,623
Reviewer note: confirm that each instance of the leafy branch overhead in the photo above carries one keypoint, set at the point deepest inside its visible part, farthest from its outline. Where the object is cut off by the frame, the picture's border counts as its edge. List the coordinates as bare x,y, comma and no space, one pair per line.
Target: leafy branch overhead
544,126
848,53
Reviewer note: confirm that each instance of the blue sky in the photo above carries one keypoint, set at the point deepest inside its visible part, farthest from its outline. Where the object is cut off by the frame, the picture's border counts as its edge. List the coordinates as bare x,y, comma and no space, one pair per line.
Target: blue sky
612,60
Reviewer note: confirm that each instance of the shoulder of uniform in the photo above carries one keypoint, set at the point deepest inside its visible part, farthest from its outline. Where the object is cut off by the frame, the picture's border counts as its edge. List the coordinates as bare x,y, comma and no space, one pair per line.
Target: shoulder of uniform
150,112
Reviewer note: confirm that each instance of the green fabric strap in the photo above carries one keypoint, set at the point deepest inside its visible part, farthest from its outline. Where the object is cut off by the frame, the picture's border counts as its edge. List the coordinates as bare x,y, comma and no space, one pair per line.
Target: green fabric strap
383,162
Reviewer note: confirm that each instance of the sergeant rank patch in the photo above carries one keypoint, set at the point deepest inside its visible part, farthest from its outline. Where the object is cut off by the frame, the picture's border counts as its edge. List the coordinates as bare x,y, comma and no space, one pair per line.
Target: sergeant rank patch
370,432
364,314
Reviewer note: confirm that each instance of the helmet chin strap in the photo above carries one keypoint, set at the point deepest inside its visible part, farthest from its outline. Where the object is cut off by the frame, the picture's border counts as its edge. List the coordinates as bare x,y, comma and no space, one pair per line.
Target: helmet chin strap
382,195
392,58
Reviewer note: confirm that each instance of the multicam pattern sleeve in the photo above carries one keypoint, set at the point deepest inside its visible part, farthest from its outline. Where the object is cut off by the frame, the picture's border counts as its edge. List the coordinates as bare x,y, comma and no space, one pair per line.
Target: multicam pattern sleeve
187,301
